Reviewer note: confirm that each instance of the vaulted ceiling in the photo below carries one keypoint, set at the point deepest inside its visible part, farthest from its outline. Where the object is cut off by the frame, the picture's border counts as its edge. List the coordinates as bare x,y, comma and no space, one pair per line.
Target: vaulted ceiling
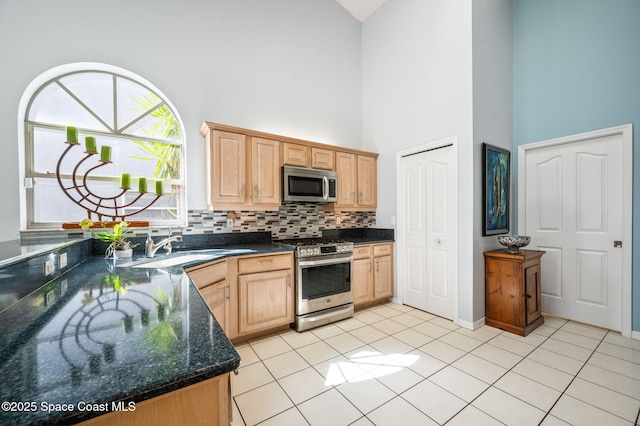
361,9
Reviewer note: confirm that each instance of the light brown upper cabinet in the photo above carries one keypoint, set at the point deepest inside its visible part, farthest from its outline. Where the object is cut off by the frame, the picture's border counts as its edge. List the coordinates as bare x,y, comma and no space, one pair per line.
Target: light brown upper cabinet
243,171
227,168
357,181
294,154
265,171
300,155
322,158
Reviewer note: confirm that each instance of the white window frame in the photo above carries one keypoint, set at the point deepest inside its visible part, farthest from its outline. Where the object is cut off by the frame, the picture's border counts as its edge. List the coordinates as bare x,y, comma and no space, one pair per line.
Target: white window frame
26,155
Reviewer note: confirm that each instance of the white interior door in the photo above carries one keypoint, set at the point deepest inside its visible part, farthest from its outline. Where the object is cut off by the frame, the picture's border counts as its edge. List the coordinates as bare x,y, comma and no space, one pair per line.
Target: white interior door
428,215
573,211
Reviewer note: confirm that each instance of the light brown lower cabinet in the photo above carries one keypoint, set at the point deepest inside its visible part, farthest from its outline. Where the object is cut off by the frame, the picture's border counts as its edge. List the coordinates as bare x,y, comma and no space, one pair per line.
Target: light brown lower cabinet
372,273
211,280
266,301
204,403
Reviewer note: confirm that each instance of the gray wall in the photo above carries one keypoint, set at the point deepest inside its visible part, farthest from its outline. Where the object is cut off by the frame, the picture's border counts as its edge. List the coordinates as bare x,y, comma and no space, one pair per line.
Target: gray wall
492,114
417,88
290,67
434,69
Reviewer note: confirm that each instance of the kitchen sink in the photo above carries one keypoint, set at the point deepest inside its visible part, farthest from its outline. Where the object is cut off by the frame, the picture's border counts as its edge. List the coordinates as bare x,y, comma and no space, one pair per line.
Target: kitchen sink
172,261
180,258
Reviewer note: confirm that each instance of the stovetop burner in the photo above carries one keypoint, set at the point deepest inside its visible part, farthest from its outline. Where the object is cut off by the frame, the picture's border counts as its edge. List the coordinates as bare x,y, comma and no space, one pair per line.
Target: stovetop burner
297,242
306,247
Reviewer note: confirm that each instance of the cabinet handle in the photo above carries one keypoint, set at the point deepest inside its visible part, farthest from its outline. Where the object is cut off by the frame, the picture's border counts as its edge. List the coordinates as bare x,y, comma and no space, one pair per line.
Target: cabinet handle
289,280
369,266
377,265
227,291
353,196
528,296
360,197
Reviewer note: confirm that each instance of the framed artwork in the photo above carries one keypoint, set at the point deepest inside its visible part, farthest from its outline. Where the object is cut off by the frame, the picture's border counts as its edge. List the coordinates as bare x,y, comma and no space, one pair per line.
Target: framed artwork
497,172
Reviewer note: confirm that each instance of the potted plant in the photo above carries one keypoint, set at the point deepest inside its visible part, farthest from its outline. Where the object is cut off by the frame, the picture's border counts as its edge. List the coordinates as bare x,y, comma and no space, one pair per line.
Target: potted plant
119,245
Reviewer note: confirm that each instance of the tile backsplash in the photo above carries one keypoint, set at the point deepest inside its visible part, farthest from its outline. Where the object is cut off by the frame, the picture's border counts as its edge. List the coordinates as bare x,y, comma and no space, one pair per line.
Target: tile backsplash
291,220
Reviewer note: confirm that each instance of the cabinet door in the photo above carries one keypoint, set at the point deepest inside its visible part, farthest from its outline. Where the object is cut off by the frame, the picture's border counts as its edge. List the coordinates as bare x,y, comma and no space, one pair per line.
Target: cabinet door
228,167
265,300
383,277
347,179
265,171
294,154
367,181
532,293
361,281
322,158
217,298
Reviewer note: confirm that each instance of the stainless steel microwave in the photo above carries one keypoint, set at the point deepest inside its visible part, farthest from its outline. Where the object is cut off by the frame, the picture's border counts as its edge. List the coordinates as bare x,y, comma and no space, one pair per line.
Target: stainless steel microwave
309,185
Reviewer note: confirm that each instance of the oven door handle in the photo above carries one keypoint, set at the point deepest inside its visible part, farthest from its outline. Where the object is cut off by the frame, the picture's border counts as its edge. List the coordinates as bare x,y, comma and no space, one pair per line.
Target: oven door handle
320,262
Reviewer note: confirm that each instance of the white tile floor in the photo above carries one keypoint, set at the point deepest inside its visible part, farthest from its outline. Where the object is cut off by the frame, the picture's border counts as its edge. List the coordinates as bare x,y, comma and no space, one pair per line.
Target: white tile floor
395,365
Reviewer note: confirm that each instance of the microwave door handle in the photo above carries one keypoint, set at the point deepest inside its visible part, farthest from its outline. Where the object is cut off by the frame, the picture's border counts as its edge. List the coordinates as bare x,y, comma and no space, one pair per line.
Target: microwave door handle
325,188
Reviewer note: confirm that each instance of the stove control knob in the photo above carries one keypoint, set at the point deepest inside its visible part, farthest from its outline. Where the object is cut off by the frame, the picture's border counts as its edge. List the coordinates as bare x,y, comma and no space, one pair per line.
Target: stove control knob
303,252
316,251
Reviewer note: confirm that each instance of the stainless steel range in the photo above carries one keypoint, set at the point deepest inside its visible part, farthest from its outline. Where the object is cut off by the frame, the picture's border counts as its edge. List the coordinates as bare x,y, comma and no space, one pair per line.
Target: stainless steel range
323,281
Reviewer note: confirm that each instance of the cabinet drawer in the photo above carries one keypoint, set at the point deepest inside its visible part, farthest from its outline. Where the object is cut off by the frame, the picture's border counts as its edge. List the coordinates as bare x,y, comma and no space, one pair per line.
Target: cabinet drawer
381,249
249,265
362,252
206,275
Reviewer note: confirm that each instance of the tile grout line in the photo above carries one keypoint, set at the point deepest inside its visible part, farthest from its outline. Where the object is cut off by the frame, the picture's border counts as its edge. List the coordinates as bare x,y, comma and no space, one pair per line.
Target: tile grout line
576,376
348,331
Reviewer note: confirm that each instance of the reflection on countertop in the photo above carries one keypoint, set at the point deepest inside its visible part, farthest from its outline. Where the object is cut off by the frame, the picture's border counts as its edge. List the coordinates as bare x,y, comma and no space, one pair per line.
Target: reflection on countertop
112,335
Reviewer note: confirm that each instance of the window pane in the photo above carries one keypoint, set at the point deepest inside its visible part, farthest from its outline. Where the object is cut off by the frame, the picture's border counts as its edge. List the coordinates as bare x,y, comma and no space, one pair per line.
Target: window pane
55,106
139,159
160,123
53,205
95,90
133,101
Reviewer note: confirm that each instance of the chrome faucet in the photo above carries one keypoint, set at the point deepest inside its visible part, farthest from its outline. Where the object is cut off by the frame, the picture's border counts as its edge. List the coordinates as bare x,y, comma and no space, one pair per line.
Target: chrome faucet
150,248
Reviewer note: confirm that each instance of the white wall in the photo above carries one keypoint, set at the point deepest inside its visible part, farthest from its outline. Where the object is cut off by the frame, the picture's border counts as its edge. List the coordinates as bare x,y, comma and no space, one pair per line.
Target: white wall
492,115
417,88
290,67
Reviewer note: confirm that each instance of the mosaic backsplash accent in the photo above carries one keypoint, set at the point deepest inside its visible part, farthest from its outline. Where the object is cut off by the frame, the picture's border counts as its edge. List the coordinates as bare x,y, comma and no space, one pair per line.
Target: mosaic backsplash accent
292,220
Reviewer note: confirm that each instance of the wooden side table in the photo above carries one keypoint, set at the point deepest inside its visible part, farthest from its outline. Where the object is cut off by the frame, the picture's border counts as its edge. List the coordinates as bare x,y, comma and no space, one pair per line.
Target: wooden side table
513,293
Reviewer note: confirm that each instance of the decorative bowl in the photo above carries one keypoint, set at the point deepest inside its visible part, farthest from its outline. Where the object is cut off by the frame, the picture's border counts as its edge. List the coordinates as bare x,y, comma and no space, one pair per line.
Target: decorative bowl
514,242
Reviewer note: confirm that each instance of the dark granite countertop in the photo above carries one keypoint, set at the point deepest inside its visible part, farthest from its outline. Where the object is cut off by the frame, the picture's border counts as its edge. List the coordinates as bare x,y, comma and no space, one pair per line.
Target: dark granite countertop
77,340
361,235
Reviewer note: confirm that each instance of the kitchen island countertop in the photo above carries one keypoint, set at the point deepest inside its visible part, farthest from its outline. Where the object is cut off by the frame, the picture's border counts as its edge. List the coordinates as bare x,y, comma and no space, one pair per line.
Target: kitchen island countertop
101,333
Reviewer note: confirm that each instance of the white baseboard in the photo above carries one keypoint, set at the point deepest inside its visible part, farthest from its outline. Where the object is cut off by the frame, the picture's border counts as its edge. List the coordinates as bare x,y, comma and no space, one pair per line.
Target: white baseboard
471,325
635,335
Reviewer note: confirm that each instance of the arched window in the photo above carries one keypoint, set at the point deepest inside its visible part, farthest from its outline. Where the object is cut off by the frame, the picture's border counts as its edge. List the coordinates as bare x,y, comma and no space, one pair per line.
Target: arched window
120,110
